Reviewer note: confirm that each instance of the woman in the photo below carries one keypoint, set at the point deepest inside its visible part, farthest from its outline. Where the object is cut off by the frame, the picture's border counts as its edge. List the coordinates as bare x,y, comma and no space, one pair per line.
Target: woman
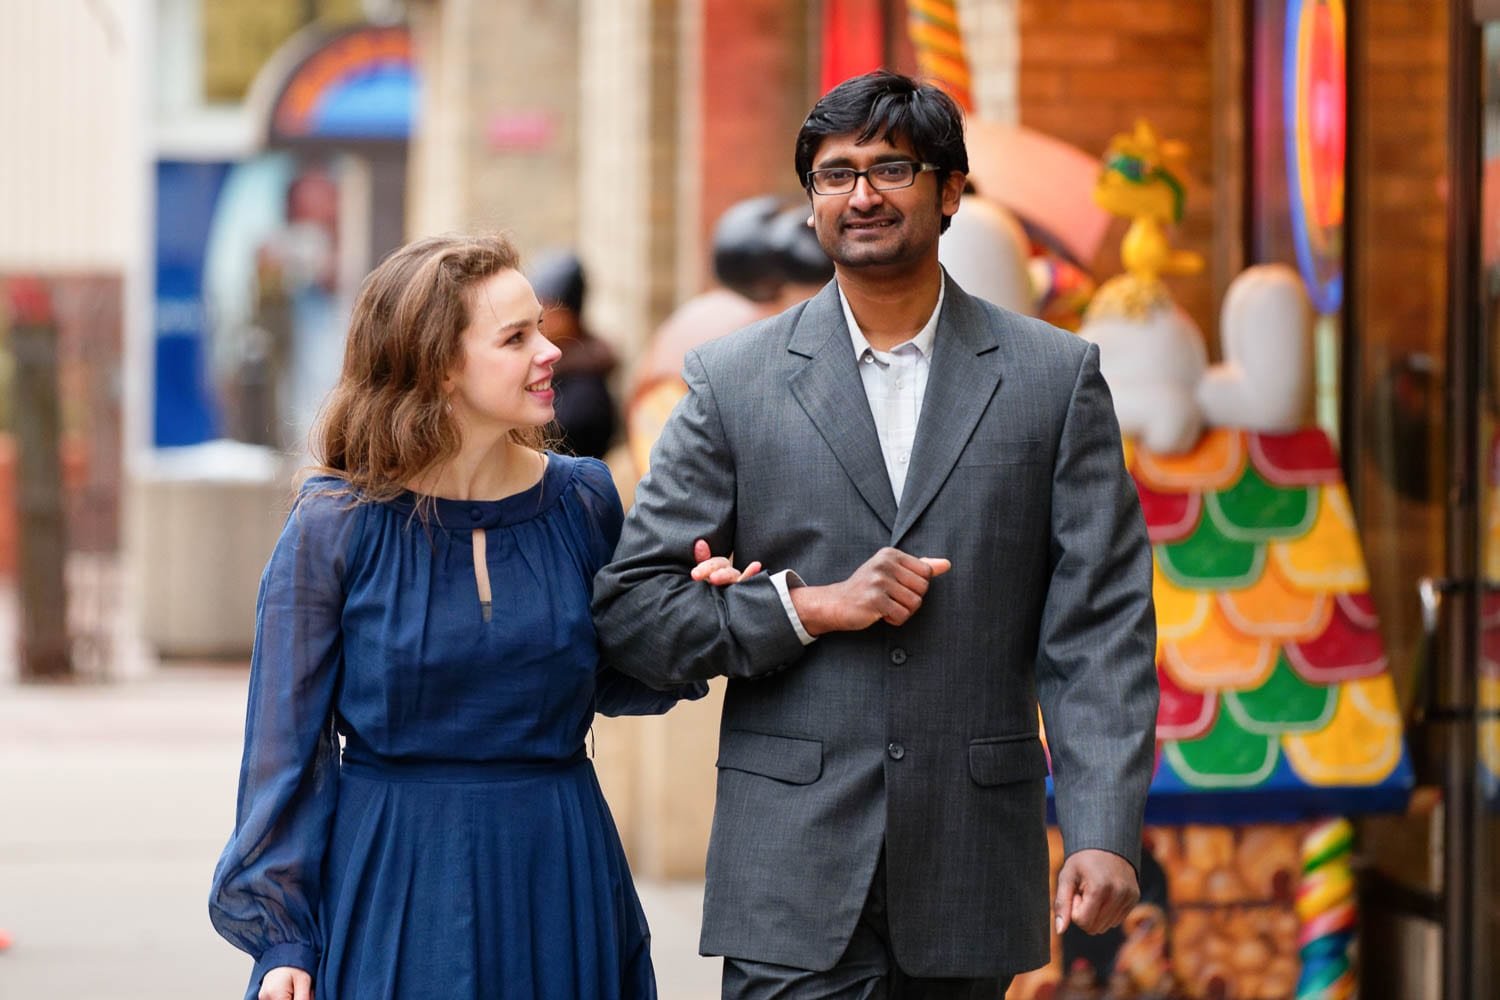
428,602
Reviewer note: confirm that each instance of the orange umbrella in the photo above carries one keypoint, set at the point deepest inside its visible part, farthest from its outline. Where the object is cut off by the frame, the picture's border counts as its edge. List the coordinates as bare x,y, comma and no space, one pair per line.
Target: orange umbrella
1045,181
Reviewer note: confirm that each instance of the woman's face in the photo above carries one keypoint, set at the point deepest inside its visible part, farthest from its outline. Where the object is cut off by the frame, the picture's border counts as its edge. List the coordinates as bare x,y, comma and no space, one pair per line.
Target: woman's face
503,380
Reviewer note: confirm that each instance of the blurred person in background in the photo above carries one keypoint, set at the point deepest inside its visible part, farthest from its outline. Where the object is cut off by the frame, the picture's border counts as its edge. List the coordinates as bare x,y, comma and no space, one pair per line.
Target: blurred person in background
766,260
428,605
586,412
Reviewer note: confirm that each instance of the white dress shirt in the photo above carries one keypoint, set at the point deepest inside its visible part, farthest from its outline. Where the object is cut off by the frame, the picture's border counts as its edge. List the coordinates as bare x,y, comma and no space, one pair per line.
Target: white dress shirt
895,383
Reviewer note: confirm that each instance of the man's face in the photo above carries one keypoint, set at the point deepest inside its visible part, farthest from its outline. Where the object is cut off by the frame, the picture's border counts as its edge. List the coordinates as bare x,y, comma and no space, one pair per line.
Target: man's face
870,228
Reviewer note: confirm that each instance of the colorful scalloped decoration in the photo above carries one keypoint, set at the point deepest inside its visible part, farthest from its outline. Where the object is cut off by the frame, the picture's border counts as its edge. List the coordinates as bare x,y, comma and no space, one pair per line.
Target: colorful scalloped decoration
1274,677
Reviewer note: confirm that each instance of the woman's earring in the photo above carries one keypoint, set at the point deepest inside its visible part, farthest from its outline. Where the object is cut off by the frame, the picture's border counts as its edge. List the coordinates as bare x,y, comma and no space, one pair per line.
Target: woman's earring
448,406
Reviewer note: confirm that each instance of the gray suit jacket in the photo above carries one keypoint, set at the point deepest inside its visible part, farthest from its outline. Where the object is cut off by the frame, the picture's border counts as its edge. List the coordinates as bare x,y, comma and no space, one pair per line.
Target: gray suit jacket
921,738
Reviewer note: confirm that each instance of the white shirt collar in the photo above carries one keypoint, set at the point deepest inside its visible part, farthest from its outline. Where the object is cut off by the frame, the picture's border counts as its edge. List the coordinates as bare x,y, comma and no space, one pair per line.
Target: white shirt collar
922,341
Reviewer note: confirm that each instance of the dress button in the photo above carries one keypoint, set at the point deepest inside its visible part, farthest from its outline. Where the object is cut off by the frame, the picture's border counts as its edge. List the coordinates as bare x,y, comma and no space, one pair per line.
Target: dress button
898,656
896,750
475,513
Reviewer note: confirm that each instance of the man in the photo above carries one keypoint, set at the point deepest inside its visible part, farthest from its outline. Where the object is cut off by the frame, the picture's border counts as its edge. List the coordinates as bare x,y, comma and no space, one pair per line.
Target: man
879,829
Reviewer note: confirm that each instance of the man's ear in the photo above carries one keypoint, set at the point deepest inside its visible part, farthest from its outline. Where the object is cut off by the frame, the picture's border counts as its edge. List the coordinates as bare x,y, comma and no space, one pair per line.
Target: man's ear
953,190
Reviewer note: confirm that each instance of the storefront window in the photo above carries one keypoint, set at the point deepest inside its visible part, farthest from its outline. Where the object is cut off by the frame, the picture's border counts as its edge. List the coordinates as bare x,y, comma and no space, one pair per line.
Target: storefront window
1297,165
1397,314
1487,696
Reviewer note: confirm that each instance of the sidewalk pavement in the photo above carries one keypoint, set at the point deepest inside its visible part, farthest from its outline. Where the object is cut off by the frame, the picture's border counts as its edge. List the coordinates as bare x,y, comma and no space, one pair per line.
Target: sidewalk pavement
115,799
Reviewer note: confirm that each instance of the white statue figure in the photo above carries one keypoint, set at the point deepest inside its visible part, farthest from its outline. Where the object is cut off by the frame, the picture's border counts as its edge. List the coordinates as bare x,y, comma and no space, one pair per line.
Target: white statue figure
1265,382
987,252
1152,353
1153,364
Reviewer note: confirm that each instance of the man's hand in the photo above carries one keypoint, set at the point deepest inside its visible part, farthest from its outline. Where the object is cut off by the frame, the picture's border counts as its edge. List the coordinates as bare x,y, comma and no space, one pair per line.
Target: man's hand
1095,890
718,570
286,983
889,587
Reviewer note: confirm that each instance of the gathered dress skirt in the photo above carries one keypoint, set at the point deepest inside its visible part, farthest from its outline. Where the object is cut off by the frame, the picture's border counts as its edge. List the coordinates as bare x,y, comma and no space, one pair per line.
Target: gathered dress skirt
455,880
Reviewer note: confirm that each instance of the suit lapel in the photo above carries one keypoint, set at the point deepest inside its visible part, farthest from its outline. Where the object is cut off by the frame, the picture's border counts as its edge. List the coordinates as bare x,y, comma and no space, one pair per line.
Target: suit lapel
830,390
964,375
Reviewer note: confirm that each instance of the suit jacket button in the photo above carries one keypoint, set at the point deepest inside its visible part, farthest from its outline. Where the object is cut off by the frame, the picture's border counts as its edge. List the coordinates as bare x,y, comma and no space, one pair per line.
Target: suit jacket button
898,656
896,750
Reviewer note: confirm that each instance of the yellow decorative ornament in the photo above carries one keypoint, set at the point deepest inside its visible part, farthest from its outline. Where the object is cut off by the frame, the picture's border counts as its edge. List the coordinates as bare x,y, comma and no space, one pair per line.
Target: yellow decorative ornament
1361,744
939,47
1142,181
1180,613
1327,558
1489,732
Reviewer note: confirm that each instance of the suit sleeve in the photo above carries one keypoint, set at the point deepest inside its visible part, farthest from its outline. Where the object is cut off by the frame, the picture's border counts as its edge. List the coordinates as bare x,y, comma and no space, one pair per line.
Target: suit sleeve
1096,657
654,621
614,692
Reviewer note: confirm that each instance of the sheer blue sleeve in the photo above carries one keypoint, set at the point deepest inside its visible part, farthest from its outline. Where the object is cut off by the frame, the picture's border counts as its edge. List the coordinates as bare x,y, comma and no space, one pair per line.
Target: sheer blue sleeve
264,897
615,693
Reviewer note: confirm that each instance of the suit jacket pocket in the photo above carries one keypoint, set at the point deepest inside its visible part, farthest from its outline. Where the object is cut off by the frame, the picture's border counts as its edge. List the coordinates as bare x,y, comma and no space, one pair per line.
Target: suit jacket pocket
785,758
997,451
1002,760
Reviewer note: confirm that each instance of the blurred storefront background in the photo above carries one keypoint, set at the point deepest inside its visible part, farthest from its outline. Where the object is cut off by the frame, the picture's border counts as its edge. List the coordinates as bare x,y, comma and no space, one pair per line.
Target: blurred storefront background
198,186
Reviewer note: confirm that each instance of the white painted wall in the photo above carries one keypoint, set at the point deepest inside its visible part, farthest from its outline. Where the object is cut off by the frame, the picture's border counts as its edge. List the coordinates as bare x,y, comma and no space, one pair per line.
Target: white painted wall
70,115
75,158
614,179
992,41
437,179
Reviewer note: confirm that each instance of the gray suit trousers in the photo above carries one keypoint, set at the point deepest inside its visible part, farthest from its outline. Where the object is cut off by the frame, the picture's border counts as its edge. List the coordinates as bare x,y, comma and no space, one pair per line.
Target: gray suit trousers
867,970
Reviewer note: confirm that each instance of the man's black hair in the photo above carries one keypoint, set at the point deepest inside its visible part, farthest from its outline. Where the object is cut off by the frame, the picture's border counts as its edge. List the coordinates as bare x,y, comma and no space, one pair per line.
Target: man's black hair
887,105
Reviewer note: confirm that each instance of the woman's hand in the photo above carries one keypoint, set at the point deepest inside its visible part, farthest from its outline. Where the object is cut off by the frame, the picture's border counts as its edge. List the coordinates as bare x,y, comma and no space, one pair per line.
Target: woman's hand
718,570
286,983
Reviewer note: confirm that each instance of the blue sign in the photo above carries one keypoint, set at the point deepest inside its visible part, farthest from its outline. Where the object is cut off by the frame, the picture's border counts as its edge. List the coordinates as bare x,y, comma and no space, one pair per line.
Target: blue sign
186,196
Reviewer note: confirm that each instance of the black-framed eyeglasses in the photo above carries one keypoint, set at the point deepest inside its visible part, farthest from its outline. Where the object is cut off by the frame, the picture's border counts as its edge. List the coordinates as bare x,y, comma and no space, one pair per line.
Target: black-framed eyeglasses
882,176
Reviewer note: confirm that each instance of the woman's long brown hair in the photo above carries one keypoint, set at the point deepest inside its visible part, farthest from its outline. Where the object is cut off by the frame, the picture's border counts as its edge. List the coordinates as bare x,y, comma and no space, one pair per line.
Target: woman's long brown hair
387,423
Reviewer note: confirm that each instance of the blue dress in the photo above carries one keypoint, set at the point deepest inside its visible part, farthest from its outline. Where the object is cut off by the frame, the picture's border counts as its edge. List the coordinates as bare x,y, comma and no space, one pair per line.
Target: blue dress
457,846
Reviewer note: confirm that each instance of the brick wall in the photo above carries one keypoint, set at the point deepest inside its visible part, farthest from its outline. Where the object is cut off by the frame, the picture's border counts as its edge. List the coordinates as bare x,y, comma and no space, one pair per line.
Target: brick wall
756,91
1400,157
1089,68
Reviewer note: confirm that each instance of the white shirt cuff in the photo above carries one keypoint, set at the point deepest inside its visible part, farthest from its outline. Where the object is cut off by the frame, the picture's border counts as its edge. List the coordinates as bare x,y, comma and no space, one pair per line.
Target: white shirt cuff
779,580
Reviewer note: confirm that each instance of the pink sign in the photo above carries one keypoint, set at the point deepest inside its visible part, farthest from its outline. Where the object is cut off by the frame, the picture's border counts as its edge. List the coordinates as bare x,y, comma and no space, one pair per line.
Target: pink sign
521,131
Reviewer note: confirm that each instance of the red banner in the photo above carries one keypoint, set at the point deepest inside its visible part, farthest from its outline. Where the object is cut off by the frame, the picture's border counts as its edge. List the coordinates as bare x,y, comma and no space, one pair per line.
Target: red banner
853,39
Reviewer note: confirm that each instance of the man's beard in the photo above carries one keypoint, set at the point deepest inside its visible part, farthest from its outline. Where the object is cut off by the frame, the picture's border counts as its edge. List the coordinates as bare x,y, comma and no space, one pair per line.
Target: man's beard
901,249
894,246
